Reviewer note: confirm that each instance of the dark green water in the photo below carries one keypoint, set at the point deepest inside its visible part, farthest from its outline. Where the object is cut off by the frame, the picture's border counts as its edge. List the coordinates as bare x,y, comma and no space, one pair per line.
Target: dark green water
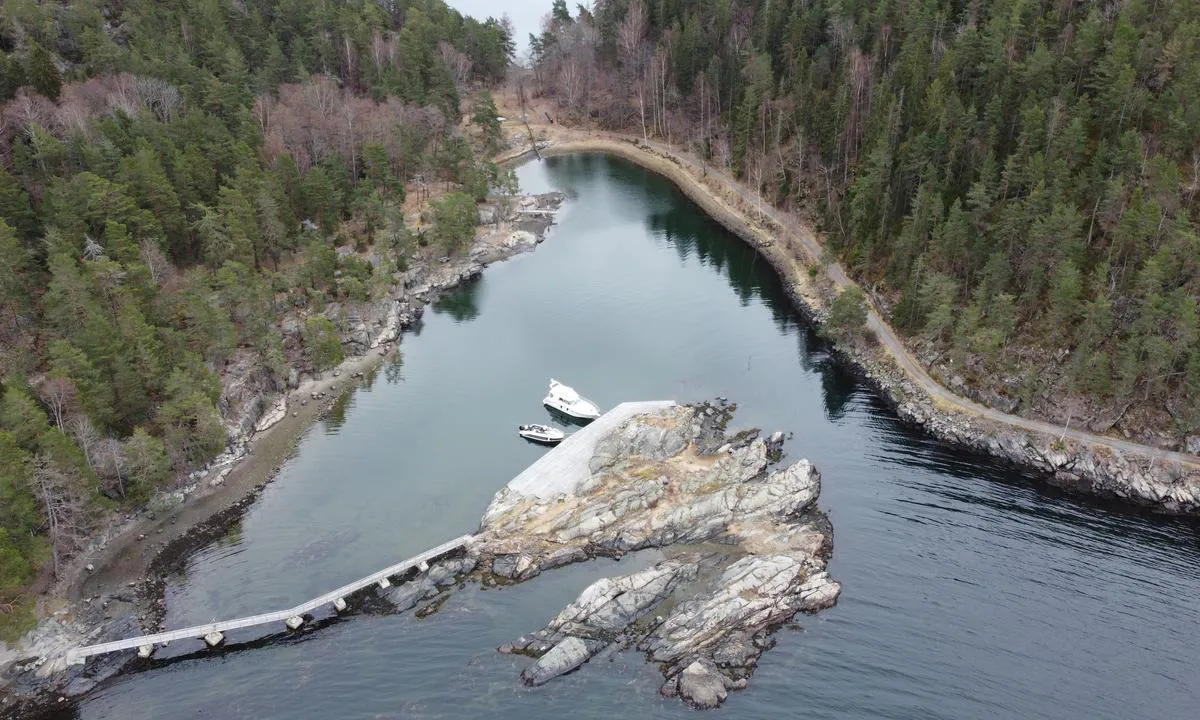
968,592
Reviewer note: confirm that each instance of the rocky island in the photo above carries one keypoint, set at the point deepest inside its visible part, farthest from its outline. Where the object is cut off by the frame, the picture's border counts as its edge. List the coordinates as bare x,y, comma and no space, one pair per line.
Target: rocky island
744,549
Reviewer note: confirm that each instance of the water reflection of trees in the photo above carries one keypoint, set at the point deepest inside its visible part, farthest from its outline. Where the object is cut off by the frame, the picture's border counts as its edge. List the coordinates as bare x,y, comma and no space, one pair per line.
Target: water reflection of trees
925,463
693,233
336,417
393,371
461,303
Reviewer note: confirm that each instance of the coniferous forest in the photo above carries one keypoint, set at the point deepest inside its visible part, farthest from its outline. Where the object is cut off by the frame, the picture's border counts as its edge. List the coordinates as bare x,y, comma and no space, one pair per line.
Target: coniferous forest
173,176
1015,180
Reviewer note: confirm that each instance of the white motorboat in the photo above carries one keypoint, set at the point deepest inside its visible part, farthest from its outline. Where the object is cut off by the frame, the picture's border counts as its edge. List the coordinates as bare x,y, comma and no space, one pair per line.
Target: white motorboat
564,399
541,433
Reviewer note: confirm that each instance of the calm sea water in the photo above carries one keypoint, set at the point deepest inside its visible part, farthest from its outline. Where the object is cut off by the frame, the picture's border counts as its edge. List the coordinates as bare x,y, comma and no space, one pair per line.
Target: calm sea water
969,592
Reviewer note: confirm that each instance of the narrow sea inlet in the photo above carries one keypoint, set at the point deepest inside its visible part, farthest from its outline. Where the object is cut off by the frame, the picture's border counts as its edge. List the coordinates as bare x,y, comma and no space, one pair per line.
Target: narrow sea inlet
968,590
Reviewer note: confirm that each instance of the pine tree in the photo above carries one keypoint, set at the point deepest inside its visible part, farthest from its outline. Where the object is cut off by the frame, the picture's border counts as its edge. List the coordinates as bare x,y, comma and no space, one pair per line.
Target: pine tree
484,115
1065,292
15,208
12,76
43,74
559,12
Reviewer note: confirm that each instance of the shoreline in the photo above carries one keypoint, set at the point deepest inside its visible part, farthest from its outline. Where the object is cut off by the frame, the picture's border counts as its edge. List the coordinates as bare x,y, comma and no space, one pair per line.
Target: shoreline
146,538
128,569
224,488
1108,468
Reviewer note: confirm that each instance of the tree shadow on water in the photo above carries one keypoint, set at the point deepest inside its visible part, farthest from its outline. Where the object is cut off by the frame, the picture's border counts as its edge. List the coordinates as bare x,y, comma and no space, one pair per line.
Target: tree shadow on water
336,417
695,234
838,383
393,371
461,303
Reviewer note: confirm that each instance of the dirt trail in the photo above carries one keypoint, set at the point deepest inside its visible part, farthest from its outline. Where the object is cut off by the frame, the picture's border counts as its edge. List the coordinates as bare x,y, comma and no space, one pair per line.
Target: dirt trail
697,180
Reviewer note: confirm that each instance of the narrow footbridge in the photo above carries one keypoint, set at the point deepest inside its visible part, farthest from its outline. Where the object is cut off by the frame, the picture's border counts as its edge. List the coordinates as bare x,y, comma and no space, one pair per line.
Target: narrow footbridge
558,472
213,633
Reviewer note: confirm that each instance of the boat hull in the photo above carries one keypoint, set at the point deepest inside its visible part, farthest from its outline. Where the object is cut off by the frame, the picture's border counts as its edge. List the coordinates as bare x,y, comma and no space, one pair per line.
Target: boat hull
541,440
571,412
543,434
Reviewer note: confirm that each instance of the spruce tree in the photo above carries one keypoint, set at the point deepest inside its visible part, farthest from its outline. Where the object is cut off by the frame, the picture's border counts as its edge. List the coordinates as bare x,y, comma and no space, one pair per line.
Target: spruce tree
43,74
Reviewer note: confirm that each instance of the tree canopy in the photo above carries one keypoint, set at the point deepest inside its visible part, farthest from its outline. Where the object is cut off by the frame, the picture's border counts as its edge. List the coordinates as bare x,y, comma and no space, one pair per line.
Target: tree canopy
174,176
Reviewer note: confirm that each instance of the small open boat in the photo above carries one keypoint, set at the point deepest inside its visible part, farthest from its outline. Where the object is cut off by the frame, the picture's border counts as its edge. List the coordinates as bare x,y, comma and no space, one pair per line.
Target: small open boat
541,434
564,399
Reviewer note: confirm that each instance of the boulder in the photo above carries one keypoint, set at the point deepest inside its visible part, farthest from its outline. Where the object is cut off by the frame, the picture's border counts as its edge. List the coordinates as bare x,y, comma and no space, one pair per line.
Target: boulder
564,657
406,596
702,685
447,572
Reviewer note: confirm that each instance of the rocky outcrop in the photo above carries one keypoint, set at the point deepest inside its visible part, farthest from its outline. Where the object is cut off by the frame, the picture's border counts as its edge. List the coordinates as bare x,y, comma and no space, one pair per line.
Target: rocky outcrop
429,584
749,551
1139,479
1144,478
597,619
246,389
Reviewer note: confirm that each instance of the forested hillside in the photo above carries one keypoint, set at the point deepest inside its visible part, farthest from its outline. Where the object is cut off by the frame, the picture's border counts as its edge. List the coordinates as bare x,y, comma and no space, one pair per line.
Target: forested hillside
173,176
1016,179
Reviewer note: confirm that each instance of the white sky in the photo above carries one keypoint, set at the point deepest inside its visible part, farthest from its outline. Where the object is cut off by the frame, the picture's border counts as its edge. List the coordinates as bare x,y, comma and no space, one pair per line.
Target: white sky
525,14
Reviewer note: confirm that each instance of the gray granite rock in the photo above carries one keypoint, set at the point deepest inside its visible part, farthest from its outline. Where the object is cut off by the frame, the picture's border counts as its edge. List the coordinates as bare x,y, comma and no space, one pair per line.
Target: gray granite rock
653,485
564,657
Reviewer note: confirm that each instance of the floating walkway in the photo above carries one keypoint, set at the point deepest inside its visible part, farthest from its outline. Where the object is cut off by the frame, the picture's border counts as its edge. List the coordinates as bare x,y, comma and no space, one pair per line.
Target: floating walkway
213,633
559,471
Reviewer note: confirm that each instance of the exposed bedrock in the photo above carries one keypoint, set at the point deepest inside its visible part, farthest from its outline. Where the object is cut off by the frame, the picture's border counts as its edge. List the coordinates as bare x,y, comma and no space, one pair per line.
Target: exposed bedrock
747,551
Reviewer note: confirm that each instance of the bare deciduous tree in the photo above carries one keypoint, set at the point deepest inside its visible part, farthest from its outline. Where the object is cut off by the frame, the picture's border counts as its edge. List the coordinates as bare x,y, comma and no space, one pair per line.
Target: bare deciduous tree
632,29
156,262
458,63
63,506
116,466
87,437
59,395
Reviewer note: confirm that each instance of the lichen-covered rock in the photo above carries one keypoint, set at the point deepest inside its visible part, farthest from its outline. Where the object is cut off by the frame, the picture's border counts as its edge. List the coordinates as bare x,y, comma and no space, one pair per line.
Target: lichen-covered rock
610,605
702,686
753,594
654,437
561,659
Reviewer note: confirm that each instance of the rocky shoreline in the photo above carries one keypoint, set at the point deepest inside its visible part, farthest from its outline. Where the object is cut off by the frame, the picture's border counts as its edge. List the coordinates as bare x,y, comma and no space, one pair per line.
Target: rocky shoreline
123,601
1101,471
1154,482
743,547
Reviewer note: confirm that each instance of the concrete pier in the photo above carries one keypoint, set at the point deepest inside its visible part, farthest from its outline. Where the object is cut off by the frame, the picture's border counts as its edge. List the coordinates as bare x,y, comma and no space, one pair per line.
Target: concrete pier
560,471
